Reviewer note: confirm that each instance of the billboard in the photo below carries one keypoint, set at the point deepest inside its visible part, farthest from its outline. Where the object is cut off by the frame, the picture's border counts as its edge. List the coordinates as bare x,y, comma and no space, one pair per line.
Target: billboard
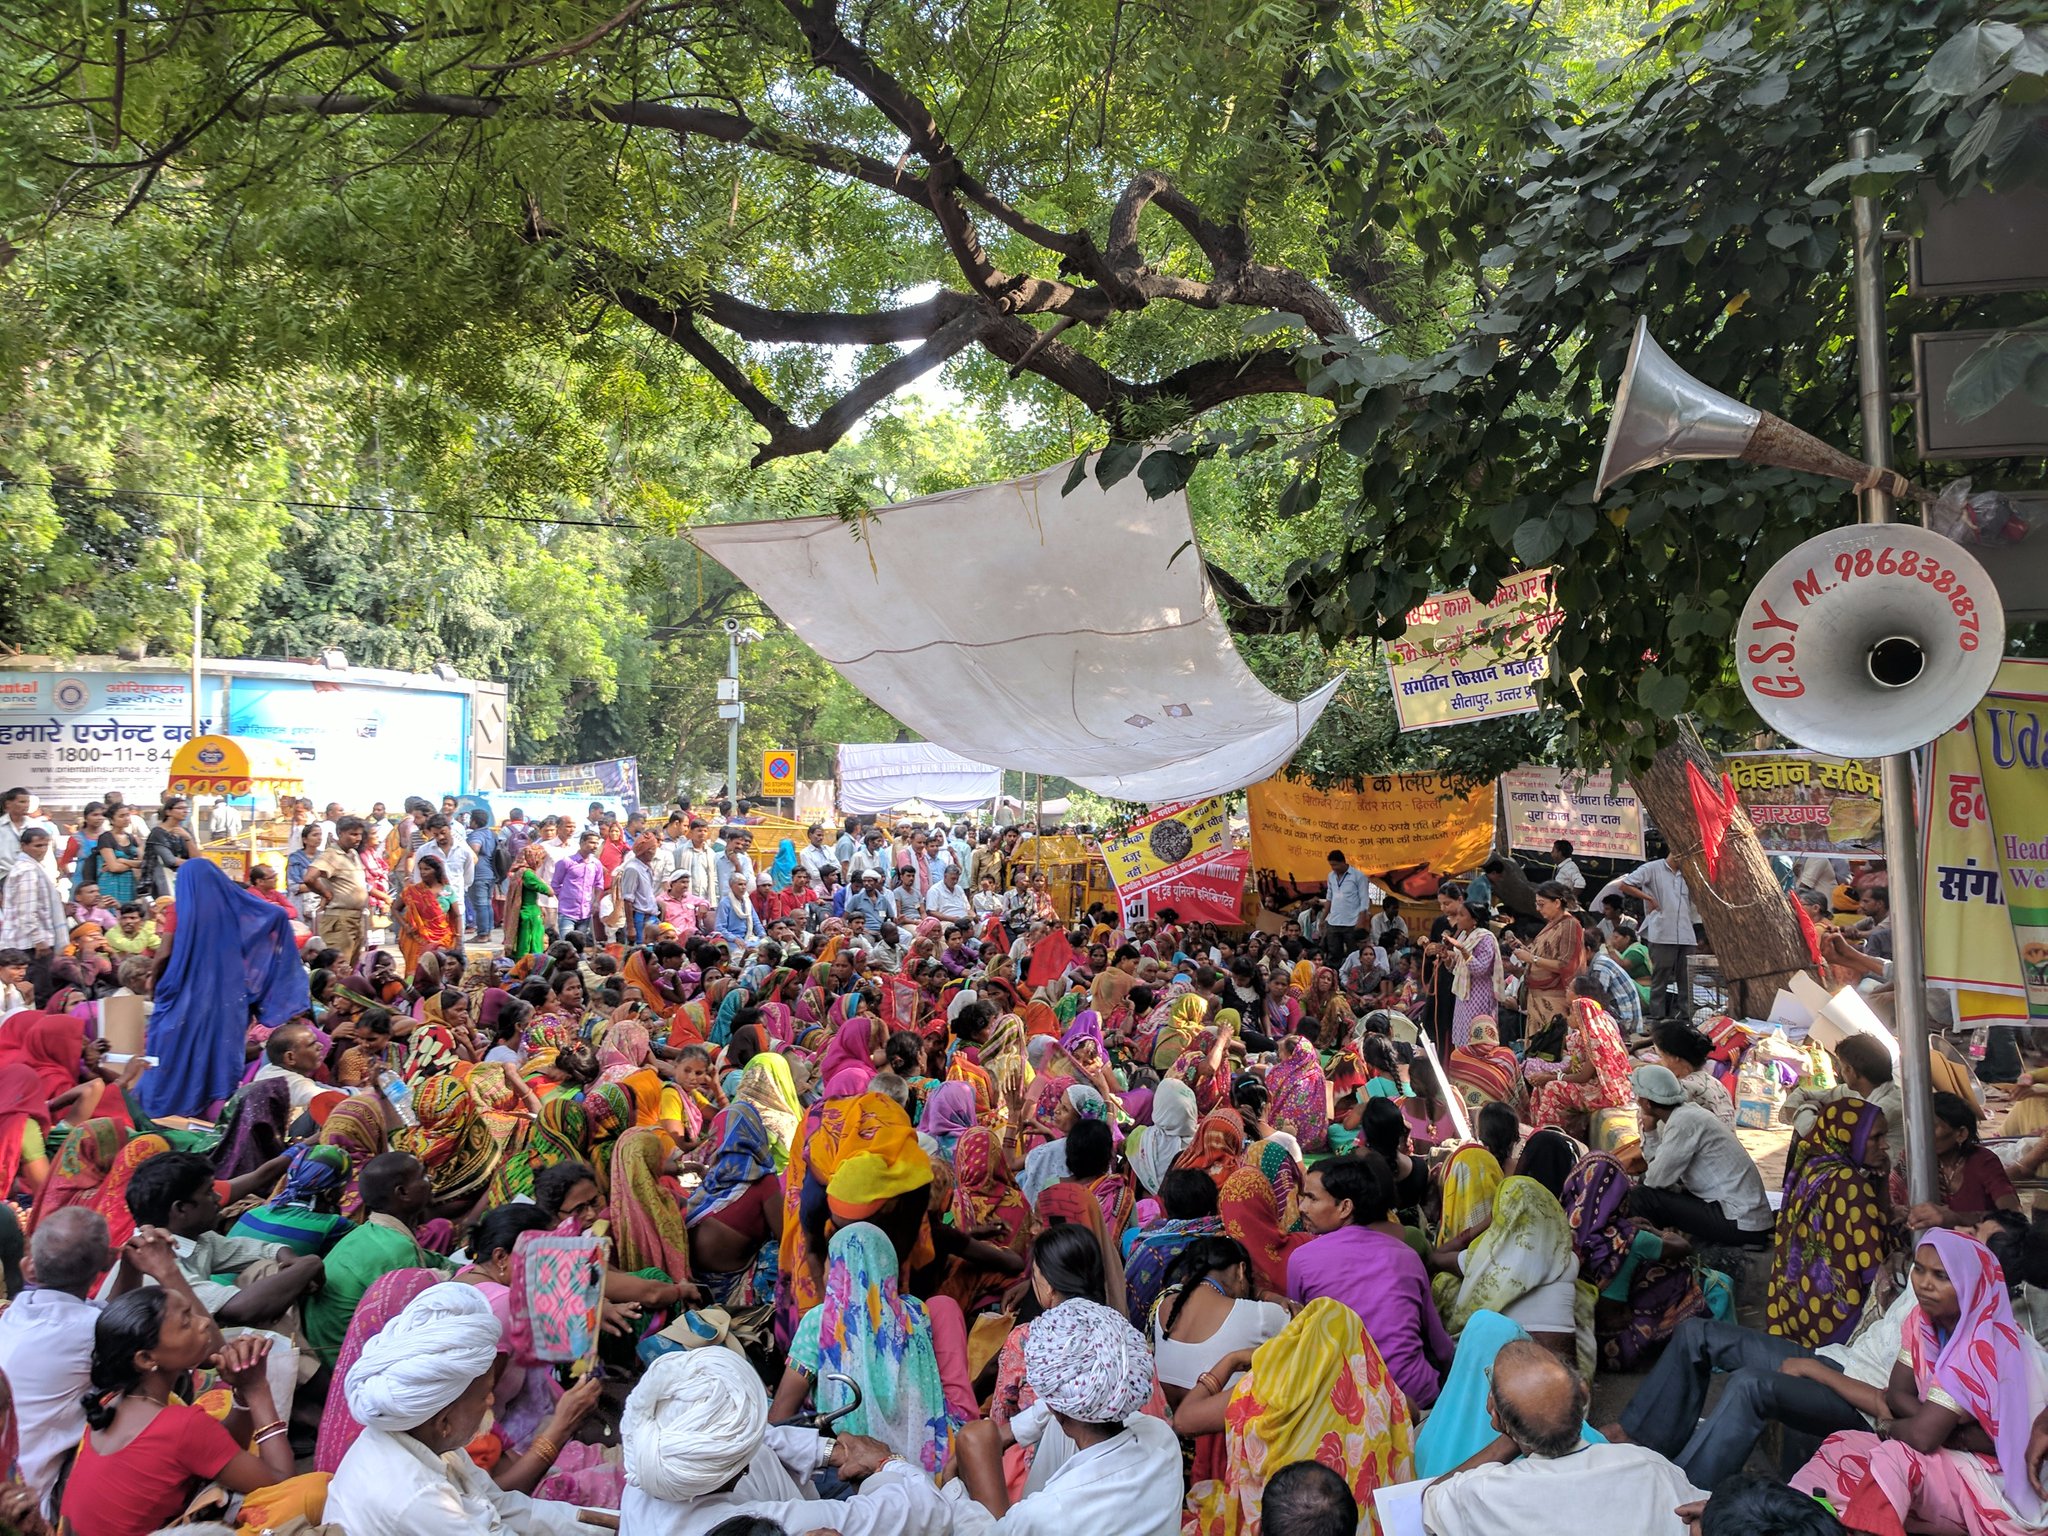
609,778
356,743
1807,802
1598,816
71,736
1462,660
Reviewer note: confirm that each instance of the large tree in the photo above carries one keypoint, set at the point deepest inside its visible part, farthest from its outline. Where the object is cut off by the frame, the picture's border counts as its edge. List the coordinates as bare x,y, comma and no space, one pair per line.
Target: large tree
816,202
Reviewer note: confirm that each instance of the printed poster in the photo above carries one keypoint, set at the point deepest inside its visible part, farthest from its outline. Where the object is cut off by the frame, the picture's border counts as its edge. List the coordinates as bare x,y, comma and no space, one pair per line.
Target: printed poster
1805,803
618,776
1969,938
1463,660
1599,817
2012,757
1207,891
1167,837
1419,826
70,737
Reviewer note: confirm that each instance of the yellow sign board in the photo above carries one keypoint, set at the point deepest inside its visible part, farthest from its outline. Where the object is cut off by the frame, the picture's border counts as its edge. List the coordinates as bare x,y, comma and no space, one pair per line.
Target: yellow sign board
778,773
1462,659
1166,837
1391,821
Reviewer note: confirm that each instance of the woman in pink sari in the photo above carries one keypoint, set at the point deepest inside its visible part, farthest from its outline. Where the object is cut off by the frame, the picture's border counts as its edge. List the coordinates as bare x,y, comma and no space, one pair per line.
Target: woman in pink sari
848,1063
1967,1375
1596,1068
1300,1094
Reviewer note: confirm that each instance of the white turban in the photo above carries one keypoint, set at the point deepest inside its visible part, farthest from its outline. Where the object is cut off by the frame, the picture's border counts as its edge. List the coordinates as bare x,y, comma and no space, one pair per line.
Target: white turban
693,1424
1088,1362
424,1358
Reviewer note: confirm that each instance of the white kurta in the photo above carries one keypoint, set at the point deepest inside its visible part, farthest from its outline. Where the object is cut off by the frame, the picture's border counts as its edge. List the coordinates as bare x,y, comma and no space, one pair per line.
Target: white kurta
1596,1488
1129,1484
391,1485
899,1500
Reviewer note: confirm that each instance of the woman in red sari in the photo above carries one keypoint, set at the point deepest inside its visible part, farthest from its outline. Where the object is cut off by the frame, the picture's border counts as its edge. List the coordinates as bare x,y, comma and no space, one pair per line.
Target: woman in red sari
76,1087
426,915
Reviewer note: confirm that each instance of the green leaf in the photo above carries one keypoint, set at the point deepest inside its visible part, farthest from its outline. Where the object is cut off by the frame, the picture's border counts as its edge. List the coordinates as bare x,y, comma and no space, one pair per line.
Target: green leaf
1076,474
1994,371
1536,541
1165,473
1963,65
1116,461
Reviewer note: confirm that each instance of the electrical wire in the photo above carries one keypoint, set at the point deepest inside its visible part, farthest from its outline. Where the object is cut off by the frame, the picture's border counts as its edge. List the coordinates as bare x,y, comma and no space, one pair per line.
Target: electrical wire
103,489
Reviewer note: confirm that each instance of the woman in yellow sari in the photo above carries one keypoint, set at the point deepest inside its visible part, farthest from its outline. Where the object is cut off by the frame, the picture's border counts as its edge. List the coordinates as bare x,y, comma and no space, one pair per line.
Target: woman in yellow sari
508,1106
1184,1021
1471,1179
1317,1391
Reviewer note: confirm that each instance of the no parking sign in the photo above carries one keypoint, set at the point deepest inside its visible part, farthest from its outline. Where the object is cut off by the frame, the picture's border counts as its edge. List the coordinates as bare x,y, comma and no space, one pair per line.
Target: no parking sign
778,773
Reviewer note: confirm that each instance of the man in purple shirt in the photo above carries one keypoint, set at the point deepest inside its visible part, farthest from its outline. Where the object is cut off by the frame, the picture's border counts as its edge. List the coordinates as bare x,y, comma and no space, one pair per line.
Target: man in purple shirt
577,883
1356,1261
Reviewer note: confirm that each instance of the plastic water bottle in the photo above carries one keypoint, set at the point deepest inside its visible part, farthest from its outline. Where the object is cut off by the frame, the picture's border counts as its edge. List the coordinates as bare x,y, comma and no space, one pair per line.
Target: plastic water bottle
398,1092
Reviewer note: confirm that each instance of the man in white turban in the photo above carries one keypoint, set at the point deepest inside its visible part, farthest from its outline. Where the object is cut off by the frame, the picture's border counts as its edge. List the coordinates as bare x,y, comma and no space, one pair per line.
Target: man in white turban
1093,1374
699,1451
420,1390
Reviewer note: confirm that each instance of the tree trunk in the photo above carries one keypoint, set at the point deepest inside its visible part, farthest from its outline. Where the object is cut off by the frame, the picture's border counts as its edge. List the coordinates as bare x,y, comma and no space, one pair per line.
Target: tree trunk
1748,920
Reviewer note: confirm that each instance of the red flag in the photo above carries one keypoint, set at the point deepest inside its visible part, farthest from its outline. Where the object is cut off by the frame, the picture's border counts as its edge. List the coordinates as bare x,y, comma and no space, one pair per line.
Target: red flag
1049,958
1714,810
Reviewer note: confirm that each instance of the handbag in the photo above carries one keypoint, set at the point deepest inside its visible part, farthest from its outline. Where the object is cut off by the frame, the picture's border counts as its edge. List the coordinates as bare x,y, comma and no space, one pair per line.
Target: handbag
557,1296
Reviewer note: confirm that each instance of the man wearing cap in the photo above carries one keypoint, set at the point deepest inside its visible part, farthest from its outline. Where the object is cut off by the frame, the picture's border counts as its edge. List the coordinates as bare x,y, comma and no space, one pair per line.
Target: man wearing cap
1092,1372
868,906
1700,1180
699,1451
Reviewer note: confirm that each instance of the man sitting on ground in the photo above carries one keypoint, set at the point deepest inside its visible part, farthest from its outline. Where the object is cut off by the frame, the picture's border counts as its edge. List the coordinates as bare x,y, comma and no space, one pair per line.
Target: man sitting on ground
293,1053
700,1452
1540,1477
1700,1180
396,1194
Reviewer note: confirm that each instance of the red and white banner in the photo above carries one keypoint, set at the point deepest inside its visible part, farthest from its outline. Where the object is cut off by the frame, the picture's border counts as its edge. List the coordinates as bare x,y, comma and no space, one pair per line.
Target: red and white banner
1211,891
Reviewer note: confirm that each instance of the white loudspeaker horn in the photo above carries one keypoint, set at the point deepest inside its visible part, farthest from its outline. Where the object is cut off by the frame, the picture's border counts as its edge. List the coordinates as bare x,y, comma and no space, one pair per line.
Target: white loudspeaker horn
1870,640
1663,414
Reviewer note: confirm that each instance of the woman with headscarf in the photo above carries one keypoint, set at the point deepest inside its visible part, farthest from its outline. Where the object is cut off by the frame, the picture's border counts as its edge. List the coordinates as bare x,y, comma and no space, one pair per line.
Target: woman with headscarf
780,872
75,1087
649,1234
1318,1392
847,1065
384,1300
768,1085
949,1113
233,957
1260,1206
1301,1101
1964,1364
1325,1009
987,1205
1482,1071
1595,1071
81,1169
735,1215
356,1126
305,1213
864,1327
560,1134
420,1390
1471,1180
1218,1147
1184,1022
1047,1164
1152,1149
608,1114
1836,1226
24,1122
1523,1267
1646,1286
451,1140
111,1201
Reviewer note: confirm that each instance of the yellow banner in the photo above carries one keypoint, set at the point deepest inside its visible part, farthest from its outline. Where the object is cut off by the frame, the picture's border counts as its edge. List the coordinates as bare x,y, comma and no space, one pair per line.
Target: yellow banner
2012,756
1396,821
1165,838
1461,659
1968,932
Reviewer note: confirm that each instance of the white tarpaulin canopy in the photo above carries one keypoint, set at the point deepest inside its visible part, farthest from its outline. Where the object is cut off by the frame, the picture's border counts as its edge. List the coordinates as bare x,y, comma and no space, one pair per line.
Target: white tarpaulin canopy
883,776
1071,635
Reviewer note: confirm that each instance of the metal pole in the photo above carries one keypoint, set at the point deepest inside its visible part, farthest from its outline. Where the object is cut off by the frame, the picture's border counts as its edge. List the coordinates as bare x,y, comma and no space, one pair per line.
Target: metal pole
1901,845
198,611
732,737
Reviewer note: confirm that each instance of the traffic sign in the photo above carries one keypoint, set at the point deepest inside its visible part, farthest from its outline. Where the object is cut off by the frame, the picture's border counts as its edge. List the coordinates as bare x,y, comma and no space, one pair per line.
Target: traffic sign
778,773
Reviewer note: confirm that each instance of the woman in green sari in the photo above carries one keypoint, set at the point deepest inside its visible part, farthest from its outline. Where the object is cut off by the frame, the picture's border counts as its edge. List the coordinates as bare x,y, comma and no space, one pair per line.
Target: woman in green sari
529,937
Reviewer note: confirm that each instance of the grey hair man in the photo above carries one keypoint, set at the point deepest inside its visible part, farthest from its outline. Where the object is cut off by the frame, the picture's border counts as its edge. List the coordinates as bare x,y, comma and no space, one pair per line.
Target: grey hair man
1539,1475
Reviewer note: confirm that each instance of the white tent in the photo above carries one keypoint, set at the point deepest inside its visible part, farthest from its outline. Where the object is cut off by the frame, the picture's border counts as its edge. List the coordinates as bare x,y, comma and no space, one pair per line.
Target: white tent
886,776
1070,635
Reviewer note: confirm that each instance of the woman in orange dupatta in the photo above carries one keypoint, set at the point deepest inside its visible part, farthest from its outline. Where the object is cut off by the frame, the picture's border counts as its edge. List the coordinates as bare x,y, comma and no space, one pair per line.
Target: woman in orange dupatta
640,976
424,920
1039,1019
112,1200
1218,1147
